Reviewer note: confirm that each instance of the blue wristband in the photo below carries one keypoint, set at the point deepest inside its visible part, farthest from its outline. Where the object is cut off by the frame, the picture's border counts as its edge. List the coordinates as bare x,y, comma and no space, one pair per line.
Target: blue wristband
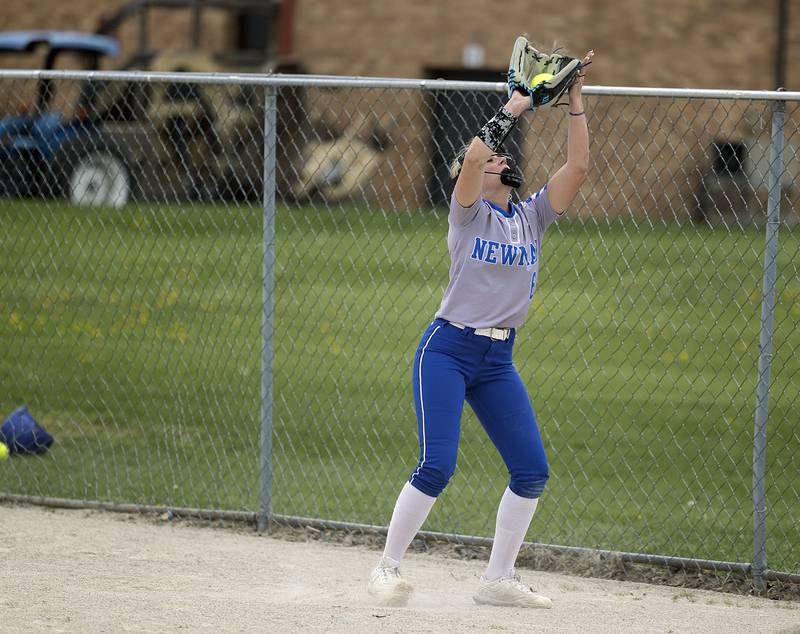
577,114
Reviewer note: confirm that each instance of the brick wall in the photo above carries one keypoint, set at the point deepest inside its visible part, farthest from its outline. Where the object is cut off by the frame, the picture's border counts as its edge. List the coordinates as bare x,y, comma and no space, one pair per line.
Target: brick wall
671,43
725,44
676,43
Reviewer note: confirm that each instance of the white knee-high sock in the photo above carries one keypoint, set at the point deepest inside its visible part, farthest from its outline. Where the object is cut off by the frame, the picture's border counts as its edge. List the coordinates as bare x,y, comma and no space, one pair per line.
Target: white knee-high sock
514,515
410,511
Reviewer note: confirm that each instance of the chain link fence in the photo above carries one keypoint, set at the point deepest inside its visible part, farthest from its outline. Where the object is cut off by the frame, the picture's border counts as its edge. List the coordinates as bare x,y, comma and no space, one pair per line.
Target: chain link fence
207,316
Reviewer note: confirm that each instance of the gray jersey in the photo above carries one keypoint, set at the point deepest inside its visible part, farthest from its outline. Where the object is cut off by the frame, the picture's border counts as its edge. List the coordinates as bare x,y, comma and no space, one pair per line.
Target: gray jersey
494,261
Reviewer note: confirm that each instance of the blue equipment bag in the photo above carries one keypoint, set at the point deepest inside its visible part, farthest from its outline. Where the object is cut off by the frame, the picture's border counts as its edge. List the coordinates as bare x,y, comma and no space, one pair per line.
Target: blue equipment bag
23,435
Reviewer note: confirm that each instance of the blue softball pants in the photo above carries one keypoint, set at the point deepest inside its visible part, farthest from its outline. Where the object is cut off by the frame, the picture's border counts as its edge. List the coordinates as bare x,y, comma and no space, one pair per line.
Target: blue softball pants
453,364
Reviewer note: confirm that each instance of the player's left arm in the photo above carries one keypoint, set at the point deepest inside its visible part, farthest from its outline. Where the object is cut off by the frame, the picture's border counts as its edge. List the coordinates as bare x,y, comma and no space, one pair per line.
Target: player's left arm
564,184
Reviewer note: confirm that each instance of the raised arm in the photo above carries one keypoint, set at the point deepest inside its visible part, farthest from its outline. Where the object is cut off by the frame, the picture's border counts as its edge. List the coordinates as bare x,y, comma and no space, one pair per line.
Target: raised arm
564,184
470,178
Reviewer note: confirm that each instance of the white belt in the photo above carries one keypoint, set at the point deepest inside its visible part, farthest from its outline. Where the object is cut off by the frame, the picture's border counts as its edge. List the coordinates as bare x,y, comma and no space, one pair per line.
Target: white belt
500,334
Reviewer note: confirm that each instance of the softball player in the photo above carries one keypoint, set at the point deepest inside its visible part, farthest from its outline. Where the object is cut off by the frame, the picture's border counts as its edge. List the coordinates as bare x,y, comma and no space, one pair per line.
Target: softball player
466,353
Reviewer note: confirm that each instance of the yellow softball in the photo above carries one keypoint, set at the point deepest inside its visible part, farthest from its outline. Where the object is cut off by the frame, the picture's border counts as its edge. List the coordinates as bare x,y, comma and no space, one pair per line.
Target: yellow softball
538,79
3,451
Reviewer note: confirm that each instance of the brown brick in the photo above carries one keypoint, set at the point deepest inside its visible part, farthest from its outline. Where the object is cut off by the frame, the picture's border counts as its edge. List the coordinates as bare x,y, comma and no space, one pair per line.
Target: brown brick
667,43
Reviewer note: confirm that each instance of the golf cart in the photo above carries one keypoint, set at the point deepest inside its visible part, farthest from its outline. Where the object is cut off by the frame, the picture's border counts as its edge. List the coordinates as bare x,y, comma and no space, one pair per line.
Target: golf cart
58,147
104,143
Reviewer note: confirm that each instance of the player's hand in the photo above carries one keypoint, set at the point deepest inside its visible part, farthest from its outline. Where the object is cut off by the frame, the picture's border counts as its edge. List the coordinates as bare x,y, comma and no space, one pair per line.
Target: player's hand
576,87
518,103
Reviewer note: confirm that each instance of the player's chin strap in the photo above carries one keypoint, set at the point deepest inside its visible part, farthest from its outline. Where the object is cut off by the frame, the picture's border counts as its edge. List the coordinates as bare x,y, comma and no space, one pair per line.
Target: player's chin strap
509,177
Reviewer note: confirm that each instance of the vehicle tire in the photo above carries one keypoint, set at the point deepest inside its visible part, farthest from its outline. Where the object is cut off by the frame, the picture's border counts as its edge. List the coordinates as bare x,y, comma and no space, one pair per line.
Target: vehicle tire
90,172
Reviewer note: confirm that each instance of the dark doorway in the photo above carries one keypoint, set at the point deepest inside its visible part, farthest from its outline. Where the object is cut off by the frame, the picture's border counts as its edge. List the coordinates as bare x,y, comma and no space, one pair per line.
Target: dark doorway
253,32
457,116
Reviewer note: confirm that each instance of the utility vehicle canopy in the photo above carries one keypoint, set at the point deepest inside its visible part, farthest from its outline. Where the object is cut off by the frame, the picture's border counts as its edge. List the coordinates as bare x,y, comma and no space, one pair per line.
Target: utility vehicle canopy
26,41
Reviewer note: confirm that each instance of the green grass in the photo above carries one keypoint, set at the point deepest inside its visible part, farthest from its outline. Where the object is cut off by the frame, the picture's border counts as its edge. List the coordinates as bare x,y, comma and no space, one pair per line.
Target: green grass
134,337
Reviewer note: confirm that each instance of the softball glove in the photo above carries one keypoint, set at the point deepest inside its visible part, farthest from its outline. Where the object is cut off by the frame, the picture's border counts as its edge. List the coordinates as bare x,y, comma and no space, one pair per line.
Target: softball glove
544,78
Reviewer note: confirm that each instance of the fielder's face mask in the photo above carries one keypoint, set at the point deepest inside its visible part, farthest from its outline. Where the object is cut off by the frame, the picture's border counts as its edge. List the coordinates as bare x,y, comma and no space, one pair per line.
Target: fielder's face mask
510,176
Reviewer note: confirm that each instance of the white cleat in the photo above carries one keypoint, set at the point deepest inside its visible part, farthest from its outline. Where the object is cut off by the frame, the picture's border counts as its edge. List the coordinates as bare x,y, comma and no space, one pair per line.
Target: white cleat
386,584
509,591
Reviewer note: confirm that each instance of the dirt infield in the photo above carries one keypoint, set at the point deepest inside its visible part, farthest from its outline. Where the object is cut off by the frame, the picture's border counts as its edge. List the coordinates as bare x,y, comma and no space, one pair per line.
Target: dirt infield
95,571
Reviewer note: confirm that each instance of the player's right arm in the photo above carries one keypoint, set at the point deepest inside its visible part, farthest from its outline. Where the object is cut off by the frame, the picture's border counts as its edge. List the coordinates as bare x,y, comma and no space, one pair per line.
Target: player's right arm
470,178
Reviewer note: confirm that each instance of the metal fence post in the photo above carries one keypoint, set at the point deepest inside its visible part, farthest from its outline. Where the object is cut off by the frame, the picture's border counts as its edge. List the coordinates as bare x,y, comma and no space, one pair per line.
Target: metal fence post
270,140
765,347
